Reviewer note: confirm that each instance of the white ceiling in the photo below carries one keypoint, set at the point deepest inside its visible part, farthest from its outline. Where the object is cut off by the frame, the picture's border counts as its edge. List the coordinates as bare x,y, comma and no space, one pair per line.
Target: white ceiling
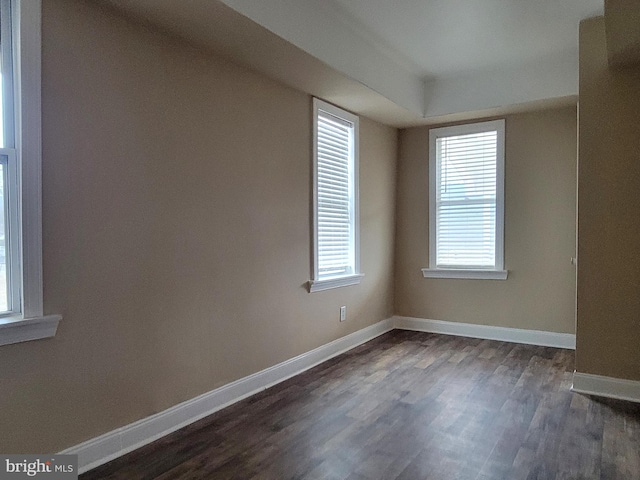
449,37
402,62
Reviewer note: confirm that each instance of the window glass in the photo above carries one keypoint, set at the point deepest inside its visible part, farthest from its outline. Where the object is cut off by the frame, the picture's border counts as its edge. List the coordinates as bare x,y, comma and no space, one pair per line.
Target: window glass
466,194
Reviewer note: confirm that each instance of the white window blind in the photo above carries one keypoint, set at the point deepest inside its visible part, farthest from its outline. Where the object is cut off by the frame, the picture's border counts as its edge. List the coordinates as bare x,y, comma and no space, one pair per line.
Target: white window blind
335,215
467,197
335,207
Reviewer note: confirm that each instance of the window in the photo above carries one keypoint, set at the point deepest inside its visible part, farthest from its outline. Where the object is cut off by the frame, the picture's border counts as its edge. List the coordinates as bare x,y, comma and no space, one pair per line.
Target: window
466,201
335,198
21,309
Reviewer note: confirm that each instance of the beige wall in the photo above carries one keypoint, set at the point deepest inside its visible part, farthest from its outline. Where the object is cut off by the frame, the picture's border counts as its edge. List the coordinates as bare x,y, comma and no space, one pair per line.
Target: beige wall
176,231
608,330
540,171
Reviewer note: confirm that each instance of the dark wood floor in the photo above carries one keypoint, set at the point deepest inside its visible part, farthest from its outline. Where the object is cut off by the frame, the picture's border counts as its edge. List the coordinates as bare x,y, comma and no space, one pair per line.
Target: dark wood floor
408,405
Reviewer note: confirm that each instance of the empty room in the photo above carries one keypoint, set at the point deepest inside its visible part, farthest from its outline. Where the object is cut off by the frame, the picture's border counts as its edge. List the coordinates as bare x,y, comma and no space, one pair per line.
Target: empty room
320,239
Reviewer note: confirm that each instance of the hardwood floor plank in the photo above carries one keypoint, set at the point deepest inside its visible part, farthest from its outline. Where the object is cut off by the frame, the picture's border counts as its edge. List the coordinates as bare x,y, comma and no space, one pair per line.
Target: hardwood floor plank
408,405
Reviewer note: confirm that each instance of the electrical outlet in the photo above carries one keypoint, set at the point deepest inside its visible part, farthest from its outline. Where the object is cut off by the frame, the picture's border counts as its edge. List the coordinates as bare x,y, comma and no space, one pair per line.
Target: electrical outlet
343,313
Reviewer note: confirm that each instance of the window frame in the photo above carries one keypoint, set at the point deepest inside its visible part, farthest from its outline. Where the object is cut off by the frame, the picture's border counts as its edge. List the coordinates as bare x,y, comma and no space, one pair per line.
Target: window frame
497,272
27,320
8,159
318,283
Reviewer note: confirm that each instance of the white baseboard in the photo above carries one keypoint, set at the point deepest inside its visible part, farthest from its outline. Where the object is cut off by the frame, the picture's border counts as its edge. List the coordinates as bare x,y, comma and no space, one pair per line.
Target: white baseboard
610,387
515,335
121,441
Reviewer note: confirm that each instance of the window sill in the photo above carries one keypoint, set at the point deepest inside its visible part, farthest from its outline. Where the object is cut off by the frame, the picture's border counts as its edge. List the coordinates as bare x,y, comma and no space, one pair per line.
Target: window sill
326,284
465,274
17,329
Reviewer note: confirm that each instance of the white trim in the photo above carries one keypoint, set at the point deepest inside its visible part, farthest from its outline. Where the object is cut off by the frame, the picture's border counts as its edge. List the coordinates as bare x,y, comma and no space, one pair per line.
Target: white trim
469,128
329,283
18,329
116,443
609,387
351,277
466,274
29,145
28,323
505,334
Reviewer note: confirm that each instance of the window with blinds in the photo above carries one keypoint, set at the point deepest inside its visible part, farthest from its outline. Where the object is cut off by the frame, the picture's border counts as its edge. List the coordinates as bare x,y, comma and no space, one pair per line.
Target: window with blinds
335,195
467,197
